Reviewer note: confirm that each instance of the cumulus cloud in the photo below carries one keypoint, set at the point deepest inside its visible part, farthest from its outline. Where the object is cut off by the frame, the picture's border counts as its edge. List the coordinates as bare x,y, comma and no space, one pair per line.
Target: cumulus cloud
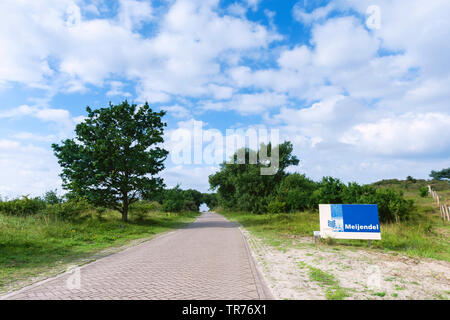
31,170
300,14
44,114
177,111
343,43
181,58
245,104
195,177
348,96
408,134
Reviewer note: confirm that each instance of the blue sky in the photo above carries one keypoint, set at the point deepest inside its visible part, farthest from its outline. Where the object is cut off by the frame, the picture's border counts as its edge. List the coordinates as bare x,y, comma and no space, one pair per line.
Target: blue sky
362,94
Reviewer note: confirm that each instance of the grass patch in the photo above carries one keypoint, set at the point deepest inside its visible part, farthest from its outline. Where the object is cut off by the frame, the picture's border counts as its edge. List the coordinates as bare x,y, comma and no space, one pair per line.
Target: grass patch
327,281
37,245
322,277
379,294
336,293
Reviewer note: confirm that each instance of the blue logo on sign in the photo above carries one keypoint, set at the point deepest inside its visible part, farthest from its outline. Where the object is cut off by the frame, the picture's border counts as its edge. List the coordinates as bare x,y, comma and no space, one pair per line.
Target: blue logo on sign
337,218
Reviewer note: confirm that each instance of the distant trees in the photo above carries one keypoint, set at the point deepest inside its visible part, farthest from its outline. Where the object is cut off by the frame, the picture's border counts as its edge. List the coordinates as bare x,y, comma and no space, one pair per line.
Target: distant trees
51,197
439,175
242,186
176,199
114,158
302,193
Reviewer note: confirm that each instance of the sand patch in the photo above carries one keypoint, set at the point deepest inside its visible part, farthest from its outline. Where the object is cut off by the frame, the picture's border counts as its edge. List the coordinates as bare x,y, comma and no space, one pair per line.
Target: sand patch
362,273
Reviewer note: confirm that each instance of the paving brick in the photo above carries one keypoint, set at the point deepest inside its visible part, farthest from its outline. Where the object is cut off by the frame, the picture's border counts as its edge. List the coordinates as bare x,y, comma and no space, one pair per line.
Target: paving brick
208,259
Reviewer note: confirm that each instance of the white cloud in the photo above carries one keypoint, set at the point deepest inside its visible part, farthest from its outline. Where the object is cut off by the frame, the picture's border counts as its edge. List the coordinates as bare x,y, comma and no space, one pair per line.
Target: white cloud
22,110
132,13
195,177
320,13
253,4
221,92
249,103
177,111
341,95
31,170
28,136
181,58
343,42
117,89
61,118
295,59
409,134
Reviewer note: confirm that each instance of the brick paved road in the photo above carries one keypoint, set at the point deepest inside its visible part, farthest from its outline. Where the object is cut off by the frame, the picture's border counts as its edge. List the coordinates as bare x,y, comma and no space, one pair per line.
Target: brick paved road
209,259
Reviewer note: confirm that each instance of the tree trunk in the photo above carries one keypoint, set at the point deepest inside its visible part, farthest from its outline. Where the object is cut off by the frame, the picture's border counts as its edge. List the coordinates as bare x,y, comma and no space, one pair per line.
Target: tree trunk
125,209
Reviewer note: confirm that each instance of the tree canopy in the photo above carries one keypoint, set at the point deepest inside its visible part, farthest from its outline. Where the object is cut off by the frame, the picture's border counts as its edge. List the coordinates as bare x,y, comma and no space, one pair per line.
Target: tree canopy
439,175
114,158
242,186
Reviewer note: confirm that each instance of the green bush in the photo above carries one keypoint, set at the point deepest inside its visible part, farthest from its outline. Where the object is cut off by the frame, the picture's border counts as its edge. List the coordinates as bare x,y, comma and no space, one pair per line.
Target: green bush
295,191
392,206
100,211
330,191
142,208
22,207
423,192
190,205
172,205
68,210
276,207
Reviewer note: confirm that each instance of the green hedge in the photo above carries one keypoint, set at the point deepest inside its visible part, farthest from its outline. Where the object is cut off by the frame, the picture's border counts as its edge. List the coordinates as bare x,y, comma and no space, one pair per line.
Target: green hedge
22,207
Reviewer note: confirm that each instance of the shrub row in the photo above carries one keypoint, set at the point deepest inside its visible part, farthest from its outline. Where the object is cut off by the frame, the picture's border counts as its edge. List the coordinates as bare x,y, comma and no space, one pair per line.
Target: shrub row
31,206
22,207
298,193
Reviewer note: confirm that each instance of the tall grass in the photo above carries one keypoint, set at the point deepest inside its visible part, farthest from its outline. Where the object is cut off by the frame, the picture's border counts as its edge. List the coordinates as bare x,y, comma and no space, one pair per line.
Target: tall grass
36,244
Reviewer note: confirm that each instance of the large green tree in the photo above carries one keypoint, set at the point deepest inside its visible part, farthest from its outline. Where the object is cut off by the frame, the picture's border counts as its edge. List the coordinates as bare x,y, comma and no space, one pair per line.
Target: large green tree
115,157
439,175
241,185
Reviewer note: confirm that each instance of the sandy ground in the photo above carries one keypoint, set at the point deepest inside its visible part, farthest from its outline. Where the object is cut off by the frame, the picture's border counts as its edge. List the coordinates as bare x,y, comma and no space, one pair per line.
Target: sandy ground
363,273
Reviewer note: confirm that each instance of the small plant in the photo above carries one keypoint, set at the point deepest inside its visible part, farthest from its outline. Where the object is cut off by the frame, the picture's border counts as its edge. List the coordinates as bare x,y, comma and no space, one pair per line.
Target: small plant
333,291
379,294
423,191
